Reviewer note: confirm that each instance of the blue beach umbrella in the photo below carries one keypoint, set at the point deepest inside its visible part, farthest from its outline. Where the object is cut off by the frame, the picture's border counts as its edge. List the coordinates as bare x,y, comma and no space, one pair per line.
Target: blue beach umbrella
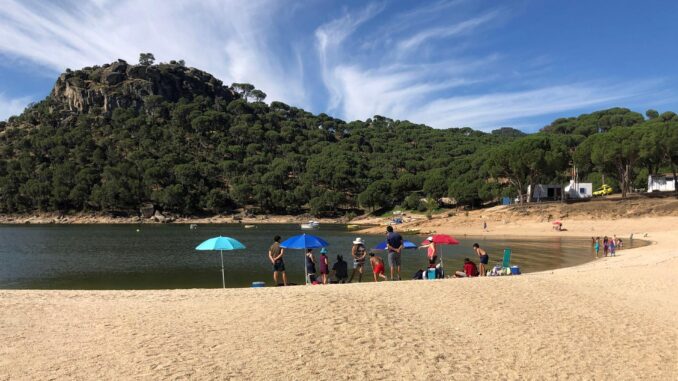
406,245
221,243
304,241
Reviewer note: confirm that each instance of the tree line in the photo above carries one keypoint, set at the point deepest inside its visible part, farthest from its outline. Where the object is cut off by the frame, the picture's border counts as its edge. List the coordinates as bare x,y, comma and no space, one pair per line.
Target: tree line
210,156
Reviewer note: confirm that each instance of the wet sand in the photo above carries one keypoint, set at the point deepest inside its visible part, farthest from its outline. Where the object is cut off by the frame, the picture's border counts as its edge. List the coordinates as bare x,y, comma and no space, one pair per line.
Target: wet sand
613,318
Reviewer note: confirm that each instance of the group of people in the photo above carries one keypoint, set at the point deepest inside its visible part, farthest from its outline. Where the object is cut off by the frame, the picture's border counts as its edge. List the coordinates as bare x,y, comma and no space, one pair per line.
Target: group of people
360,255
609,245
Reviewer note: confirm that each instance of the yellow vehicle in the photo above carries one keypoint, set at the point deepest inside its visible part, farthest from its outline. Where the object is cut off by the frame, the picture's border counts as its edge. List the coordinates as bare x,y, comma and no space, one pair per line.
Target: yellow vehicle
604,190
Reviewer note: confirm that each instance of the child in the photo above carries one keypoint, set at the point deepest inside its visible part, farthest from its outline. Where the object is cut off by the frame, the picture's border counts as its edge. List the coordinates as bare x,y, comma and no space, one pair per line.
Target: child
324,265
377,266
612,248
596,246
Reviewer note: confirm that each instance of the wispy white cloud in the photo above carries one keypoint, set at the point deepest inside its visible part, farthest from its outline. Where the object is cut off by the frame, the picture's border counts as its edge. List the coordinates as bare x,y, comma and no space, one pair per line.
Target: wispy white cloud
489,111
465,26
365,61
12,106
329,38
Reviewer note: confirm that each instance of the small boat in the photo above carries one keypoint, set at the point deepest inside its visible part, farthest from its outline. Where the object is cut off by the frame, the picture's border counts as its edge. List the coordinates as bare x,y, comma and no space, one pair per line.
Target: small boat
250,226
193,226
310,225
352,227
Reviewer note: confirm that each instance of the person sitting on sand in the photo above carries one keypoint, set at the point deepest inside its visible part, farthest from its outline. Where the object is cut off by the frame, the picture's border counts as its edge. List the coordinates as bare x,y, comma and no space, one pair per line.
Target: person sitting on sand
324,265
340,269
275,254
310,266
470,270
484,258
359,254
377,266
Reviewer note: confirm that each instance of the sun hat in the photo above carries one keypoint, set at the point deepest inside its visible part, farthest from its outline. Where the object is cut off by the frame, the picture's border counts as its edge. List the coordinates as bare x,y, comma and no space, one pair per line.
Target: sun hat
323,251
358,241
430,238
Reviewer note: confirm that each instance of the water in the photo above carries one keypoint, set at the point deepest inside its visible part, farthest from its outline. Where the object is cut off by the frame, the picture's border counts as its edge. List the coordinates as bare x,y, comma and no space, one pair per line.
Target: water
163,256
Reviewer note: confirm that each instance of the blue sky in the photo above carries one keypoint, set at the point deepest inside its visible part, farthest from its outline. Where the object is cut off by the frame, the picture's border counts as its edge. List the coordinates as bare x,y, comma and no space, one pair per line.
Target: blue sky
445,63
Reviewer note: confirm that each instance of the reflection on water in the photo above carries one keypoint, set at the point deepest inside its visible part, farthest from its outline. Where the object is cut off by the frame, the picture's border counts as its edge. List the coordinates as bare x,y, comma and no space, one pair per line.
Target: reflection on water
163,256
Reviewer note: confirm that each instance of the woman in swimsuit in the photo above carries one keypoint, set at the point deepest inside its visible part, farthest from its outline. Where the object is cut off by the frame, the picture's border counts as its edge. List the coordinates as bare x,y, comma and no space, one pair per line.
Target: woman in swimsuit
432,251
310,266
377,266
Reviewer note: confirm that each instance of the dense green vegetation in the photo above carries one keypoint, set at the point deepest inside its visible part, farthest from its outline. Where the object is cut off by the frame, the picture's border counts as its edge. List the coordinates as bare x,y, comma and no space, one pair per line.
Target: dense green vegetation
205,154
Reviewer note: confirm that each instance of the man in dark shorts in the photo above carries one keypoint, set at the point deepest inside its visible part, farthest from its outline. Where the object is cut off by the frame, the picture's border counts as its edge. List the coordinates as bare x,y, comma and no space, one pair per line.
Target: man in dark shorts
395,246
484,258
275,254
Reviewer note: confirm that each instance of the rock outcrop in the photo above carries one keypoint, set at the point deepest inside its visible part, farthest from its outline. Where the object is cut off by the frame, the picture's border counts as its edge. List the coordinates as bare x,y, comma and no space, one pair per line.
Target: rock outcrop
120,84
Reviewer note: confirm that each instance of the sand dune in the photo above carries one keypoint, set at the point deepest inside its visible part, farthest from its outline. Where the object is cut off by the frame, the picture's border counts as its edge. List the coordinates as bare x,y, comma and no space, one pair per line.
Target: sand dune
614,318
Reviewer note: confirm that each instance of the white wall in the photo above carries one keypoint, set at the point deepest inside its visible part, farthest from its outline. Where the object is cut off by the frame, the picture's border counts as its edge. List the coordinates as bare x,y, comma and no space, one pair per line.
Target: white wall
660,183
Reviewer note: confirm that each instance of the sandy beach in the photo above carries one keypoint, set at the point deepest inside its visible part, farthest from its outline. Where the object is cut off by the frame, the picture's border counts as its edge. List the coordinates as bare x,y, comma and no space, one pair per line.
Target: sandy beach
613,318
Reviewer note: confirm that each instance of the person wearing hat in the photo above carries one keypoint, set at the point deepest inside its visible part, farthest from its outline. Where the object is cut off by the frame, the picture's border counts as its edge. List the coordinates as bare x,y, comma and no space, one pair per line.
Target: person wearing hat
324,265
432,251
359,254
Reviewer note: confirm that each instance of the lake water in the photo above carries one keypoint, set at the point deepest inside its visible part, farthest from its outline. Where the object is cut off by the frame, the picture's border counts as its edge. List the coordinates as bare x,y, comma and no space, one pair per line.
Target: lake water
163,256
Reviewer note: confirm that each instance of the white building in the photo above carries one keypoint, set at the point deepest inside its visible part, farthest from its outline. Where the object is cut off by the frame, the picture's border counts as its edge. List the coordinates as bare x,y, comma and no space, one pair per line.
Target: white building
576,190
661,183
546,192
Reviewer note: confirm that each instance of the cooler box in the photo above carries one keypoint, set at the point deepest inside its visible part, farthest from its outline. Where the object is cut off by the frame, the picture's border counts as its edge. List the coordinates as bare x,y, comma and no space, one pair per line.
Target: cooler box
431,274
258,284
515,270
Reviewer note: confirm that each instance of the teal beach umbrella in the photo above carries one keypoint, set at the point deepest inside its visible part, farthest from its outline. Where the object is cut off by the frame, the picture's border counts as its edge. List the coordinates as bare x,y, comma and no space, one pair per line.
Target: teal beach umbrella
221,243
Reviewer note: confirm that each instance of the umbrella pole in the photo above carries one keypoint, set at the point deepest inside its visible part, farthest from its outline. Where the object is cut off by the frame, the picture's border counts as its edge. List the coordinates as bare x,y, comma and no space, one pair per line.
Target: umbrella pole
305,271
441,257
223,279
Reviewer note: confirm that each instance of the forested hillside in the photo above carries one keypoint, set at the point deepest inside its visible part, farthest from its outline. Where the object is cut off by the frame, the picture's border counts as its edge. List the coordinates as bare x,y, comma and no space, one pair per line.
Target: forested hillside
115,137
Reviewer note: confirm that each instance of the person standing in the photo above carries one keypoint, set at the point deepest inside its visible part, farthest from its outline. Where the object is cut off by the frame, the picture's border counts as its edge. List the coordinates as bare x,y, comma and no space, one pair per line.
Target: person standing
606,246
324,265
359,254
394,242
596,246
377,267
484,258
613,248
340,269
432,251
310,266
275,254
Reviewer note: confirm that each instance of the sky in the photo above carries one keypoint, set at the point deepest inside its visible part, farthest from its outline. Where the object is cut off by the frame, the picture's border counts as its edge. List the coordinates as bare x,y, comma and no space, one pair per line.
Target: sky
444,63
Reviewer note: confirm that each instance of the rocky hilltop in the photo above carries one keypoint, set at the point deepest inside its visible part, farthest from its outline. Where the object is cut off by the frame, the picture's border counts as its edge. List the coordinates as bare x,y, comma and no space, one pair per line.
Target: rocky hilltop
122,85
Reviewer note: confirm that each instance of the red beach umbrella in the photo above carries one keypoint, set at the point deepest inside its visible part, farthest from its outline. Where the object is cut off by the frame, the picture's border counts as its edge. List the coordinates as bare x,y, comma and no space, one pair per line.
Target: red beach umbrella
441,239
